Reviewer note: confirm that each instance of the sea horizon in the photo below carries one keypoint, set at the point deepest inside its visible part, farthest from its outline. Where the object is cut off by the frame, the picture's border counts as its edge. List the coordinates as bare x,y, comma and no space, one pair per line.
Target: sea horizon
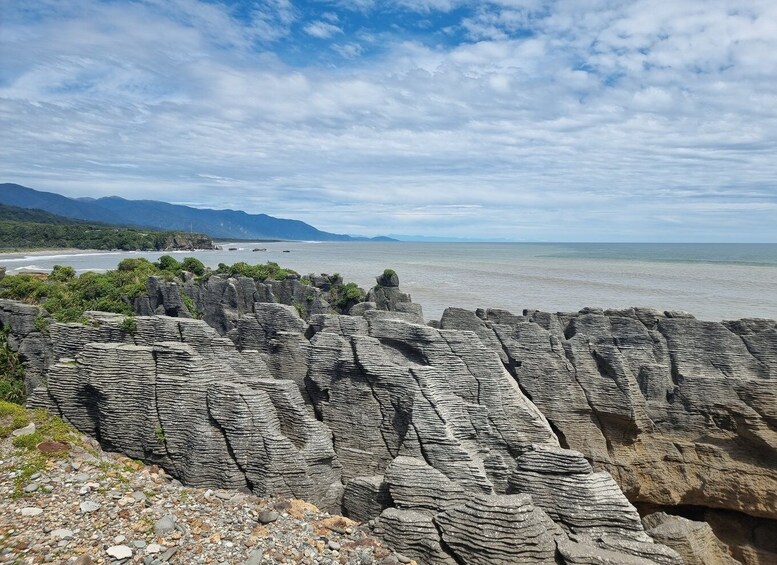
711,281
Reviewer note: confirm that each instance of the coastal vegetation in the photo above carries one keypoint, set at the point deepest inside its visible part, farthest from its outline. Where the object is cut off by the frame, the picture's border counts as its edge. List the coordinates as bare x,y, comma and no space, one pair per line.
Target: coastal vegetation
21,228
11,373
65,296
260,272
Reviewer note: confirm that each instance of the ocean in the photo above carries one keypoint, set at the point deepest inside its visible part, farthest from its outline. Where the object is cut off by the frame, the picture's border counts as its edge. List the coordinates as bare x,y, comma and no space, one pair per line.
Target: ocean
711,281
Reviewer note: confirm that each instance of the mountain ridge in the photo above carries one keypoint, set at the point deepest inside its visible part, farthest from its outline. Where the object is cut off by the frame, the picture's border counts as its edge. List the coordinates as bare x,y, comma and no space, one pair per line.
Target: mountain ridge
222,224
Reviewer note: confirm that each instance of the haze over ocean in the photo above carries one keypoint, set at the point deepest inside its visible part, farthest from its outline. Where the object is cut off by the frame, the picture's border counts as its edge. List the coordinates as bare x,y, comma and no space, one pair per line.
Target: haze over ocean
712,281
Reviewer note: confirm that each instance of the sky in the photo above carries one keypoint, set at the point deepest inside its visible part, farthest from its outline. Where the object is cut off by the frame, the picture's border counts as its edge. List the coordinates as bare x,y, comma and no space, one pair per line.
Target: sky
525,120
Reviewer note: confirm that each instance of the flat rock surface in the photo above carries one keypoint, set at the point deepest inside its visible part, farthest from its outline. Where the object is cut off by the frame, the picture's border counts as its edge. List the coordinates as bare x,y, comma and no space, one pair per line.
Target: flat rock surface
129,499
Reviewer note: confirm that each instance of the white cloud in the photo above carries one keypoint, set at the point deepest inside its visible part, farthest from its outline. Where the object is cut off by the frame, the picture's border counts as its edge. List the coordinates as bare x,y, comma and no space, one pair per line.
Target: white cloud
610,120
322,30
349,50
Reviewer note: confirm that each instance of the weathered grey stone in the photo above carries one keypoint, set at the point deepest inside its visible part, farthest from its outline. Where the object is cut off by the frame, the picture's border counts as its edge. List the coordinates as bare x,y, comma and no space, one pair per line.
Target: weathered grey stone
694,541
499,529
25,431
413,534
165,525
387,296
362,307
642,393
581,502
267,516
366,497
413,484
388,279
437,430
165,298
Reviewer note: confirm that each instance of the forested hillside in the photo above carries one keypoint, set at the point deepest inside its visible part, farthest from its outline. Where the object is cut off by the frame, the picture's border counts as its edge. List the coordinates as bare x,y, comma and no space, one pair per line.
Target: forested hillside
22,228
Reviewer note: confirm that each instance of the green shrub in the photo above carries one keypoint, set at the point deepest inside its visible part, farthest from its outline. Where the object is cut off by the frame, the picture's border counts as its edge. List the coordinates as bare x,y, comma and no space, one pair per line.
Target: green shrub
129,325
168,263
62,273
344,295
188,301
135,265
29,441
11,373
193,265
259,272
12,417
66,296
42,324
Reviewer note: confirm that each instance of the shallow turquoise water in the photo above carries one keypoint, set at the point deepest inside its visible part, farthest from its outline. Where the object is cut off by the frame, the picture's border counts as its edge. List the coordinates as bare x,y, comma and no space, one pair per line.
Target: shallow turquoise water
712,281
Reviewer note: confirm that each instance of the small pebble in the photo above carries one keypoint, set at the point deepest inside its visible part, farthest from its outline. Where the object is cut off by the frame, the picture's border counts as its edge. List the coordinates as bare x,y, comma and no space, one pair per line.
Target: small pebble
164,525
89,506
62,533
29,429
267,516
32,511
119,552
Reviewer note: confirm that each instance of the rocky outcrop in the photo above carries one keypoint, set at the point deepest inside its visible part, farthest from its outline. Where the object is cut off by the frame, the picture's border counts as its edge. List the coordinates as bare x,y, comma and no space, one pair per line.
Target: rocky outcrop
208,413
22,325
387,296
673,407
420,429
491,437
221,301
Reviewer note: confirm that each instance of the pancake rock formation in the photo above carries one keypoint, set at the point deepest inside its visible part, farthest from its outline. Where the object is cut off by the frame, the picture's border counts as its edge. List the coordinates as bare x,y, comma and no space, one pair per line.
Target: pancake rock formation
681,412
491,438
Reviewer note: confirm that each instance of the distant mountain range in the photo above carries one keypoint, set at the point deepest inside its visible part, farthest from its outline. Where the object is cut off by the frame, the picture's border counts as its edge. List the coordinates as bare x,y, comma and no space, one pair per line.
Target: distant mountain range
221,224
29,228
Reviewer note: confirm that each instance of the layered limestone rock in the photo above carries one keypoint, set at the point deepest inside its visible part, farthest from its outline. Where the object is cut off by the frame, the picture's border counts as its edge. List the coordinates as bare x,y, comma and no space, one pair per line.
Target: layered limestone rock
680,411
221,301
516,528
430,431
20,324
456,439
386,295
694,541
210,414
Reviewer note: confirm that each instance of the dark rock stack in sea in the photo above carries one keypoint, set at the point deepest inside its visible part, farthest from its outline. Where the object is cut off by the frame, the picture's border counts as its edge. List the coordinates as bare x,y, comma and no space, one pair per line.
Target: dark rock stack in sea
495,438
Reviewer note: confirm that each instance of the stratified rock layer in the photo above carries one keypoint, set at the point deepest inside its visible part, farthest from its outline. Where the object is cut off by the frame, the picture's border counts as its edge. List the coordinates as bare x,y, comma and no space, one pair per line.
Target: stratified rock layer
694,541
682,412
455,439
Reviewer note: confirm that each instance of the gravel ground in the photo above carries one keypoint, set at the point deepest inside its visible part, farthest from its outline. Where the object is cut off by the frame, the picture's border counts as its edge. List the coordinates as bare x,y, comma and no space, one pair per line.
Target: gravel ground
86,506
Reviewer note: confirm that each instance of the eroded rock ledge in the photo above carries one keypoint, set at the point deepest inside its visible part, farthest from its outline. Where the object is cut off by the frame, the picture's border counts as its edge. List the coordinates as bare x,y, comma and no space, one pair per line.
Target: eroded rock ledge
492,439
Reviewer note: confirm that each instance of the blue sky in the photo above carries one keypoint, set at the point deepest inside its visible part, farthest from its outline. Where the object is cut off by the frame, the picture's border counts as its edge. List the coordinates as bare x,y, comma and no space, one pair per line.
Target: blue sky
570,120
